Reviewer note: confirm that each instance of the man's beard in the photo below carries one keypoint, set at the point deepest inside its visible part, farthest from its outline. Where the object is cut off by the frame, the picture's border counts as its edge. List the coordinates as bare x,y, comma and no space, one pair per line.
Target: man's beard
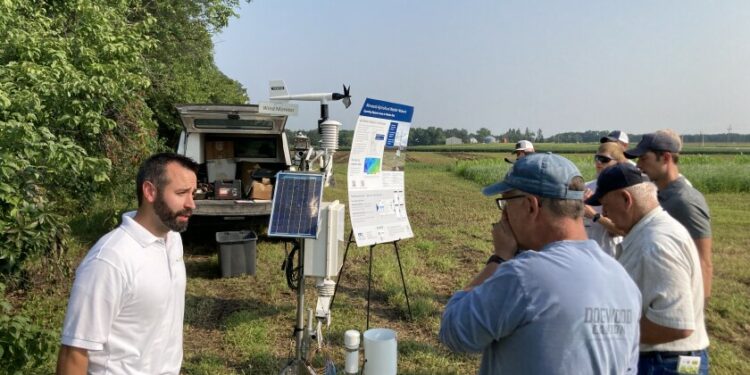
169,217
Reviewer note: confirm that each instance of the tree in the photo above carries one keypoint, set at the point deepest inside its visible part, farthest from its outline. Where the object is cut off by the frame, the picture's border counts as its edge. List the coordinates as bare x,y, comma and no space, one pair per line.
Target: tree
71,85
539,136
181,68
483,132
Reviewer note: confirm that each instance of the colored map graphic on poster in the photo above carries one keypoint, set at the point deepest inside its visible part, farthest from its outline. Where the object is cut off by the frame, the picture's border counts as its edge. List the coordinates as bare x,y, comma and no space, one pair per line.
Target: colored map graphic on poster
372,165
375,179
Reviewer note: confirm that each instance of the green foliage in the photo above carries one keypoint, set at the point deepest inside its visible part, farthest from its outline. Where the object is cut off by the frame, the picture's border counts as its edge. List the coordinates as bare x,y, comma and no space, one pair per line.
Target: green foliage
39,173
181,69
81,85
69,73
23,344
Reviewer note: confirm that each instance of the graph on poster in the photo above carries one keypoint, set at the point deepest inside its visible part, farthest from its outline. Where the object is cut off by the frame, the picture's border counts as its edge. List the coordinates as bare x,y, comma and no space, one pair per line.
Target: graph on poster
377,205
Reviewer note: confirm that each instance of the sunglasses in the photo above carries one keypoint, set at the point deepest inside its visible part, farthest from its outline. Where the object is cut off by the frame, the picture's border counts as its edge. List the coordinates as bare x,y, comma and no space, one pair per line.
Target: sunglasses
502,202
602,159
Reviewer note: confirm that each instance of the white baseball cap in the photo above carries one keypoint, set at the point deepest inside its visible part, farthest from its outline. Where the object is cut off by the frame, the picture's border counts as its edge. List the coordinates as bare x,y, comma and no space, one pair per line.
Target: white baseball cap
616,136
523,146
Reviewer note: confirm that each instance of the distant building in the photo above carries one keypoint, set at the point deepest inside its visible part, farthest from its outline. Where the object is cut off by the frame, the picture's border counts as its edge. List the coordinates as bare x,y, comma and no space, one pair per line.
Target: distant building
489,139
453,141
473,140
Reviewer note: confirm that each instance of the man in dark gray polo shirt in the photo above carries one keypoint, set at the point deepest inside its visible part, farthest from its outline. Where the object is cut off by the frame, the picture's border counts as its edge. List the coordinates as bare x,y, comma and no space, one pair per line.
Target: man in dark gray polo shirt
658,155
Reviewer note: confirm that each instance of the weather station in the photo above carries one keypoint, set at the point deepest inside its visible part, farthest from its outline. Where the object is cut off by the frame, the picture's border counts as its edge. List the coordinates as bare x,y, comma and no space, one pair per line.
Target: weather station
305,155
316,229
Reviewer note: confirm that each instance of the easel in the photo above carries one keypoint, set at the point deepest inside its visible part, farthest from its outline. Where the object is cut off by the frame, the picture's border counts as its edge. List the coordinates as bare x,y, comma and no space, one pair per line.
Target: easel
369,277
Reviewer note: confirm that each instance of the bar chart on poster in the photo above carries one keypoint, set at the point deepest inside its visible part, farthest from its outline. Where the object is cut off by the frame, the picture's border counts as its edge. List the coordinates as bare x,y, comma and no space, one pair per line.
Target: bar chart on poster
375,177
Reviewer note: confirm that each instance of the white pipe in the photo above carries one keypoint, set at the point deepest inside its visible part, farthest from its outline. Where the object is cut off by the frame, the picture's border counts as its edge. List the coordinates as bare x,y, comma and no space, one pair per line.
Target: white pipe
351,354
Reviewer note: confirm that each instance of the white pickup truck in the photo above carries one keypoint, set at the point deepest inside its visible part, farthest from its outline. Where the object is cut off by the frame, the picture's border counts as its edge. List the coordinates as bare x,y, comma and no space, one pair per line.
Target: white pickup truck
234,145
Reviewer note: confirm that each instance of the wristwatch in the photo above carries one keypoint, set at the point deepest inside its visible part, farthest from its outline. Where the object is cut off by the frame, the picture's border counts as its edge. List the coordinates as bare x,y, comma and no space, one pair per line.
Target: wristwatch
596,217
496,259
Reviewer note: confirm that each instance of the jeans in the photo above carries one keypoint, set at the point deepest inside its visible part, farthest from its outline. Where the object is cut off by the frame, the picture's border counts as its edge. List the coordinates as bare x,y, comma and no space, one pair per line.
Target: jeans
658,363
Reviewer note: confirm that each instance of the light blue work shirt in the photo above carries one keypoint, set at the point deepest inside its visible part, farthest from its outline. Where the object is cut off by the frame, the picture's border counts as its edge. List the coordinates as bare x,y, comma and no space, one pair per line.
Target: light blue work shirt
567,309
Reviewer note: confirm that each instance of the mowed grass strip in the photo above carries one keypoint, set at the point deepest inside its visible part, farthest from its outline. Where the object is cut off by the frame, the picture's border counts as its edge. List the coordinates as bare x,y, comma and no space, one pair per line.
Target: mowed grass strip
245,325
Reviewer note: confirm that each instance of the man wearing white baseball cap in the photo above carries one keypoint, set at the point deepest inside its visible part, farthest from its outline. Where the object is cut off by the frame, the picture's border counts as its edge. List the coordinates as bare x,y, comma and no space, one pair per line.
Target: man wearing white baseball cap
522,148
617,136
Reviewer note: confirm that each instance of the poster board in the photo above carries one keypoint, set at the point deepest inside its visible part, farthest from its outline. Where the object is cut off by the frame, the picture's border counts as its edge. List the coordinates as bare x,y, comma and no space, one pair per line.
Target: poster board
375,177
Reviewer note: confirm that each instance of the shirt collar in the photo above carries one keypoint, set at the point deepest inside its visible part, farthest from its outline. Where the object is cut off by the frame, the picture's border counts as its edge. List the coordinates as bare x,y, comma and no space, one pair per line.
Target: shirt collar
635,231
137,231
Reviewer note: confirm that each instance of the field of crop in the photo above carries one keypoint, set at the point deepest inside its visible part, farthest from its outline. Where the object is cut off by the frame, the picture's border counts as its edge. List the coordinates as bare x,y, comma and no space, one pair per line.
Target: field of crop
689,148
244,325
707,173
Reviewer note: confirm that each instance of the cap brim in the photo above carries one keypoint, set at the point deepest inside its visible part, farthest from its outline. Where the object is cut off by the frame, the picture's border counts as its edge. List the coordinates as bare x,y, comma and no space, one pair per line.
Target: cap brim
497,188
635,152
607,139
593,200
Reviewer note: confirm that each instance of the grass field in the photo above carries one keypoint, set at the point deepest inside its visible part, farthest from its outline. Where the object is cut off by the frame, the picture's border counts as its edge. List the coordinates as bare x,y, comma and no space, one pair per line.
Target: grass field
244,325
689,148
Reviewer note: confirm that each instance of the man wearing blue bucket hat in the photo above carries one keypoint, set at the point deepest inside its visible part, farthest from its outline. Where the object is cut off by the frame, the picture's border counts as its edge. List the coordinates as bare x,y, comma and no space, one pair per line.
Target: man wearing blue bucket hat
565,307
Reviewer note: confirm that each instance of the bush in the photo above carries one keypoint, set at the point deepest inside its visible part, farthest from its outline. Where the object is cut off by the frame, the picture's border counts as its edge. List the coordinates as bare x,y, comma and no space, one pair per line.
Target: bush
23,344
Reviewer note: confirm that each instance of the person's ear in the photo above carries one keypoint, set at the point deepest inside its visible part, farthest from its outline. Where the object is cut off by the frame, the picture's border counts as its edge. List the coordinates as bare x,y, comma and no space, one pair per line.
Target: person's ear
534,204
628,198
149,191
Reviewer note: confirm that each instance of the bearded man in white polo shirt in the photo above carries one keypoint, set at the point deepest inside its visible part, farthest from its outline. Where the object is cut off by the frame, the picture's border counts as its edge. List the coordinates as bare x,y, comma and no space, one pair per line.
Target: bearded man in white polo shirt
660,256
126,307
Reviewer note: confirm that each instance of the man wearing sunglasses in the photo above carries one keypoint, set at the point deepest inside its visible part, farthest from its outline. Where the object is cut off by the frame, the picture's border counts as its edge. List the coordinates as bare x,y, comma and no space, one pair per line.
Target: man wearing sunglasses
658,157
599,227
564,306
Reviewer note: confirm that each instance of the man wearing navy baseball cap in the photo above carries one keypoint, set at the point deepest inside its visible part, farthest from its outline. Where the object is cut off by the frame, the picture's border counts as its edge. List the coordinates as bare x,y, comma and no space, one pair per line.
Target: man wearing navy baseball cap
660,256
564,306
658,157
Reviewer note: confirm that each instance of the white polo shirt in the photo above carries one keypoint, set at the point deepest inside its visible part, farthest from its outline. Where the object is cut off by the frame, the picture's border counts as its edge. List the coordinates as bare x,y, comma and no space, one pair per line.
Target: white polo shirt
660,256
597,232
127,303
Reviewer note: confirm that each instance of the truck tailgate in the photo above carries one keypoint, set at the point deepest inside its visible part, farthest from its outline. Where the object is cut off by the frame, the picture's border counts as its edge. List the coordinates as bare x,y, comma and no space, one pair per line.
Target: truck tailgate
210,207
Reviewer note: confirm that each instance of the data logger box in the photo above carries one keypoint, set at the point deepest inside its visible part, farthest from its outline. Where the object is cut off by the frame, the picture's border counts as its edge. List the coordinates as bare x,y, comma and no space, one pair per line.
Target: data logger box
323,256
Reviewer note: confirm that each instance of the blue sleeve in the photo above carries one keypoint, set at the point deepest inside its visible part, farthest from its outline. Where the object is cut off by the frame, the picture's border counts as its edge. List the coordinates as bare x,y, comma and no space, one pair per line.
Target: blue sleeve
473,320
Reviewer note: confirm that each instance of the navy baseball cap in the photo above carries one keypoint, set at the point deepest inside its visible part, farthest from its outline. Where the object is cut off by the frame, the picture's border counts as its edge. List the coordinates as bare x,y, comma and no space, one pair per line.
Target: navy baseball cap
542,174
618,176
654,142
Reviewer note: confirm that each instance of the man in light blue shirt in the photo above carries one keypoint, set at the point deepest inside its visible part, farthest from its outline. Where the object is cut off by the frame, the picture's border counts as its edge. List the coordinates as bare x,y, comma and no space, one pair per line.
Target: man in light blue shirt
564,307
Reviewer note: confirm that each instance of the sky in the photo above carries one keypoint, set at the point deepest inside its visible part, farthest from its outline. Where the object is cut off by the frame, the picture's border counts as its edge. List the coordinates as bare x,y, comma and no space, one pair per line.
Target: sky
557,66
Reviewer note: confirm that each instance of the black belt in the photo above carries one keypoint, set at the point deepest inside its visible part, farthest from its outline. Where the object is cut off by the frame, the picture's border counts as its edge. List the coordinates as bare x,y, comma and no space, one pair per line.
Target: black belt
688,353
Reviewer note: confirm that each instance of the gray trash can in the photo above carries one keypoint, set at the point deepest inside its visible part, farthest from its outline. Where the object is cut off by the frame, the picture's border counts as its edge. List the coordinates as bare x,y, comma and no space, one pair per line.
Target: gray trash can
237,252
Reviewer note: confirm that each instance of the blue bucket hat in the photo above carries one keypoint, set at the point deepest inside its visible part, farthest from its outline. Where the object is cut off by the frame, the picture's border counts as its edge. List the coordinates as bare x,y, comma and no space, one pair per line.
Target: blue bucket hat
542,174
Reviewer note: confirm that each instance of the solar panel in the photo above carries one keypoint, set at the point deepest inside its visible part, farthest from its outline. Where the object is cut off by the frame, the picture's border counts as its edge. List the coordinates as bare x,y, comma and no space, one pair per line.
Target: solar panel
296,205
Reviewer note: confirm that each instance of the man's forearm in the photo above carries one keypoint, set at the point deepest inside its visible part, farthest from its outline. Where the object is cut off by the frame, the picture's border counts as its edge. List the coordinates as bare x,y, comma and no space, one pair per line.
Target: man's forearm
707,268
486,272
652,333
72,361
